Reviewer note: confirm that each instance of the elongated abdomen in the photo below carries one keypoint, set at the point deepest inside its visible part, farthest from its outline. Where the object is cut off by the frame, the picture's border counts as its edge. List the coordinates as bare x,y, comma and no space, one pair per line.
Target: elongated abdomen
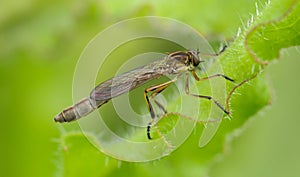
78,110
110,89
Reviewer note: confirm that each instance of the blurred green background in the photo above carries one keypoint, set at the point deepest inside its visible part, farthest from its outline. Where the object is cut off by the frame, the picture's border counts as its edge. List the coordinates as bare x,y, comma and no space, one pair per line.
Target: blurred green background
40,42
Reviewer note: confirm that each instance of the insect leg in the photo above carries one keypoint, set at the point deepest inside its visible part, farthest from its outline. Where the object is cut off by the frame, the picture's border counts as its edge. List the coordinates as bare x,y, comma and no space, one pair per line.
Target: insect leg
209,77
156,92
222,50
187,91
217,75
156,89
215,54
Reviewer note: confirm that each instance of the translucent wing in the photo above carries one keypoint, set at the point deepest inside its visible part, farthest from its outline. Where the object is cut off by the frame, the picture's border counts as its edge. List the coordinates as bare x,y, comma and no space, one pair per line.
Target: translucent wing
124,83
137,77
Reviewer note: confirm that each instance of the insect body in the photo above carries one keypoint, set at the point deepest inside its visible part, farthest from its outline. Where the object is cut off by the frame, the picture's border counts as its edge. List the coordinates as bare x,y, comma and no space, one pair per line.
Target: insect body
176,64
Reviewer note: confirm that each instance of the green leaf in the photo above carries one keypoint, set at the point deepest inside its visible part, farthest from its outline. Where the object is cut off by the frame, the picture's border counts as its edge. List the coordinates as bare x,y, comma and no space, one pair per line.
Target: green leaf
239,63
78,153
257,44
265,40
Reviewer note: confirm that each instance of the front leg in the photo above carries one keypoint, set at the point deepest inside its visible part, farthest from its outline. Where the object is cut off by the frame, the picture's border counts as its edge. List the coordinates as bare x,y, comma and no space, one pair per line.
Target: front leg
156,89
187,90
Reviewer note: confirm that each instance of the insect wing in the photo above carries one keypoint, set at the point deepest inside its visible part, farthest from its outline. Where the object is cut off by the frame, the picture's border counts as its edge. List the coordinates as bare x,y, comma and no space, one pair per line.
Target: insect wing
123,83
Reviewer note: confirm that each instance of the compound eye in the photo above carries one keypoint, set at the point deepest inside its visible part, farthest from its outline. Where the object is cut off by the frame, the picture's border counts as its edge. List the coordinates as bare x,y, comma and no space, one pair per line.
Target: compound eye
196,61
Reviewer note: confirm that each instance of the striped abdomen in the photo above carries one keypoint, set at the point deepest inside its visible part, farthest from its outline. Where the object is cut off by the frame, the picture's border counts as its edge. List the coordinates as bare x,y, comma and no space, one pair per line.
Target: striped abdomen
78,110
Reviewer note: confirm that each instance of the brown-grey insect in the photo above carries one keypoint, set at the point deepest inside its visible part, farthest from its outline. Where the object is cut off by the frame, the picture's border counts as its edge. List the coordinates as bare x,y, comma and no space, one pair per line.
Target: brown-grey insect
176,63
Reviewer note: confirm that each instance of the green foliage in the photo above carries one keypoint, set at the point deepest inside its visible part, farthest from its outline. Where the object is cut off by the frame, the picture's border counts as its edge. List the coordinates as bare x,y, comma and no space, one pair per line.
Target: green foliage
260,40
40,42
78,153
282,32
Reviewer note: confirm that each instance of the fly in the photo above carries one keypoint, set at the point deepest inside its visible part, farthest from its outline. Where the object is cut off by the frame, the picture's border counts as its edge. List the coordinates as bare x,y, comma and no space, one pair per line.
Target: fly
176,64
